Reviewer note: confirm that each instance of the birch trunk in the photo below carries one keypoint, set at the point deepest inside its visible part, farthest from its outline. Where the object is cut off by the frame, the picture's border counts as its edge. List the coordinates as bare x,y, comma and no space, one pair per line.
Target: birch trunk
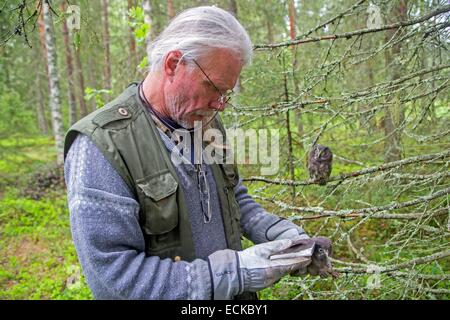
55,104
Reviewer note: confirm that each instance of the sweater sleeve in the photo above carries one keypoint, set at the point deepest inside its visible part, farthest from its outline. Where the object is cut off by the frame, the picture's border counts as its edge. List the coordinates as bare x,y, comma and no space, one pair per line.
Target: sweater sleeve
260,226
104,219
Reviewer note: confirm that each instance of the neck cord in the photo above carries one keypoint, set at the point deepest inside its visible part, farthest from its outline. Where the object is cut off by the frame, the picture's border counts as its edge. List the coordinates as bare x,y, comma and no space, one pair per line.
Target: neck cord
155,112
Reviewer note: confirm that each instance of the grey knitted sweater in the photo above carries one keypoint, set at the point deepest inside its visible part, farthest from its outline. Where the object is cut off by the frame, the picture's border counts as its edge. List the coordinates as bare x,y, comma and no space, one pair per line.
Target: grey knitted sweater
109,241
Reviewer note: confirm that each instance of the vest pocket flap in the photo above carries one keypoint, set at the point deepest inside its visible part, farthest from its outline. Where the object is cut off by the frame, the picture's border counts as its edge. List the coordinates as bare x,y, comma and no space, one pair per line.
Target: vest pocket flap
158,187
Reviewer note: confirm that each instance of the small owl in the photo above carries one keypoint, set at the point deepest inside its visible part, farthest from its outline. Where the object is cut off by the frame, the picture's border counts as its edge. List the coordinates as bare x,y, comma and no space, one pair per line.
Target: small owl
320,163
321,263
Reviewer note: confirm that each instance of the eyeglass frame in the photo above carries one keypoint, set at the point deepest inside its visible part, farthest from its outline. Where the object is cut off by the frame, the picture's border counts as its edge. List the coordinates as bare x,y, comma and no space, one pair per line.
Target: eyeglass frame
224,98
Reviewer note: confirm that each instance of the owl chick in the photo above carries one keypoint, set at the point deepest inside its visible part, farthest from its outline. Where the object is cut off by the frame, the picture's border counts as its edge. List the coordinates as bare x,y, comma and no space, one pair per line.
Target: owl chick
320,163
317,260
321,263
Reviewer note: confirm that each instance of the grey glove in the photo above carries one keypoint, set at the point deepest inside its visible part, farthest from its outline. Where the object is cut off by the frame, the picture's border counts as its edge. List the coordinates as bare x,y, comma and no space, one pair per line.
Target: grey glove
233,272
320,262
285,229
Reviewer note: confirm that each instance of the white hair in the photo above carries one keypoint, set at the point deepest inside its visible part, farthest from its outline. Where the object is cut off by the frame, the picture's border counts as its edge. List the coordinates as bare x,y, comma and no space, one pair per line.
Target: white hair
197,31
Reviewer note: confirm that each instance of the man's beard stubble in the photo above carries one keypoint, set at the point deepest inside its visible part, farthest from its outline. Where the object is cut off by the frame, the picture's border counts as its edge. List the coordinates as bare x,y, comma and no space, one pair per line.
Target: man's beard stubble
176,103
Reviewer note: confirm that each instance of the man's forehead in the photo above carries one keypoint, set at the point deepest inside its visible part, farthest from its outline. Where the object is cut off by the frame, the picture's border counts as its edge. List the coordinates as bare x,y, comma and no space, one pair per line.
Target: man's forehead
222,67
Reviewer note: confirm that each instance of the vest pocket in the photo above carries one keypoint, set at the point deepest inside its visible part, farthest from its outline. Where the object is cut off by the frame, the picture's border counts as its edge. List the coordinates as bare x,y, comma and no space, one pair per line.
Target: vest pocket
158,199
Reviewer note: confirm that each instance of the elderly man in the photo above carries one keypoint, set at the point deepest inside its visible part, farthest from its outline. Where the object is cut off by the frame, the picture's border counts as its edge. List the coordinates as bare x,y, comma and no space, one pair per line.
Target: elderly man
147,228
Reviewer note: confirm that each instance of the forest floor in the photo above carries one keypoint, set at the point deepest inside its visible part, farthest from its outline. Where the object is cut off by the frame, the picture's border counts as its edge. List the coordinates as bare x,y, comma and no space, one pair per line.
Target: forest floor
37,256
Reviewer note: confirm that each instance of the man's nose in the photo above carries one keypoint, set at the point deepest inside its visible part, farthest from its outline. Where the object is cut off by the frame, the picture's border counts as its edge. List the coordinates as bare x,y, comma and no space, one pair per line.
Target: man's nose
217,105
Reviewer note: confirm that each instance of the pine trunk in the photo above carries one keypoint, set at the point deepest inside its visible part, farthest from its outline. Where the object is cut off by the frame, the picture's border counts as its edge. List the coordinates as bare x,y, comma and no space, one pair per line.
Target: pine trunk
394,114
292,32
69,70
41,27
40,107
83,107
42,60
107,66
170,9
132,42
234,10
147,7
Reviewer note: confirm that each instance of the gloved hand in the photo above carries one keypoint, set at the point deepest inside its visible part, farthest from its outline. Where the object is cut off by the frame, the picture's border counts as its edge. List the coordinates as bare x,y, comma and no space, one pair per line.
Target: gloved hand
320,262
285,229
233,272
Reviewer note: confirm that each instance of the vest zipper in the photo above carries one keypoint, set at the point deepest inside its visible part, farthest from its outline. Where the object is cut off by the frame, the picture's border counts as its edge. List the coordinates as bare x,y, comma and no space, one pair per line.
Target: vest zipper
205,211
229,208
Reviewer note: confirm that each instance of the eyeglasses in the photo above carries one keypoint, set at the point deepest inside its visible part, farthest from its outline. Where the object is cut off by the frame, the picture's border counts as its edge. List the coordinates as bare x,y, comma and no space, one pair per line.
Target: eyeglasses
224,98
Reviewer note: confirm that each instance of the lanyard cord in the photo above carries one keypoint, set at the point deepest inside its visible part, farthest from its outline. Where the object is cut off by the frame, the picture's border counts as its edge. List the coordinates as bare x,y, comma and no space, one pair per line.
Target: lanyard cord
156,113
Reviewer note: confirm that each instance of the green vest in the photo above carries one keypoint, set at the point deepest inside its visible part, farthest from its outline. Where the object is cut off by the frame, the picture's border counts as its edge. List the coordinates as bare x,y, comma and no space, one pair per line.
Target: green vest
127,136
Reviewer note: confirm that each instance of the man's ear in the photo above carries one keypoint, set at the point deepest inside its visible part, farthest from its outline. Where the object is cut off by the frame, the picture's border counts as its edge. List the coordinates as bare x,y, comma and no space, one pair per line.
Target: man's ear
171,62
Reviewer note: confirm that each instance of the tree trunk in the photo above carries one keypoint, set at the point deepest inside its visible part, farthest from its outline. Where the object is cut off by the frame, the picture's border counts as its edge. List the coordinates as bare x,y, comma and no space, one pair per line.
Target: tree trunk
42,59
289,133
270,38
234,10
41,26
5,63
55,105
170,10
146,5
40,107
394,114
83,108
132,42
292,32
107,62
291,10
69,70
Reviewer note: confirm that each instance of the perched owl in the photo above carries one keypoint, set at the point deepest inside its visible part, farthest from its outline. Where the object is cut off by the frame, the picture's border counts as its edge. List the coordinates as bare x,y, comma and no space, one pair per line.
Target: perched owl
319,163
